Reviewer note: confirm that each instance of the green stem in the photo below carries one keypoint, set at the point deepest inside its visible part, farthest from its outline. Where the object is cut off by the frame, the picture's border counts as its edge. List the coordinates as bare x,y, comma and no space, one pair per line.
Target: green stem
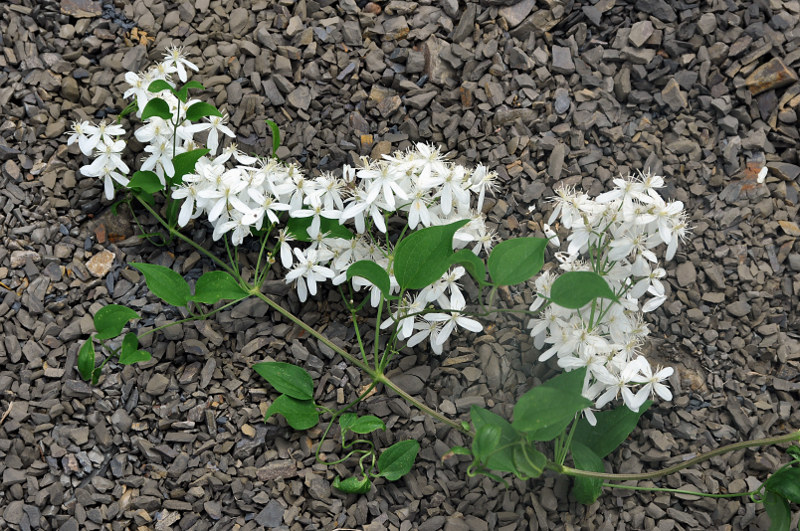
677,491
234,261
191,318
794,436
373,374
174,232
327,342
145,235
382,378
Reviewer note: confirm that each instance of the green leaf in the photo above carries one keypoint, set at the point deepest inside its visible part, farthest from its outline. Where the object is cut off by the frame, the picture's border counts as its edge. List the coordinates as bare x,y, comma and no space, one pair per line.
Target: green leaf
201,109
794,452
156,107
109,320
298,228
372,272
286,378
146,181
129,352
778,511
502,460
515,261
300,414
544,412
86,359
570,382
576,289
361,425
158,85
132,107
486,441
397,460
567,382
215,286
612,428
586,490
184,164
424,256
276,137
474,265
173,211
786,483
529,461
353,485
165,283
183,93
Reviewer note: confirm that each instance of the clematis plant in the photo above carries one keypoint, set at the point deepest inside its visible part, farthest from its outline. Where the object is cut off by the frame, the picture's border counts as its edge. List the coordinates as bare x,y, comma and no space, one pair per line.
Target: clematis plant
399,238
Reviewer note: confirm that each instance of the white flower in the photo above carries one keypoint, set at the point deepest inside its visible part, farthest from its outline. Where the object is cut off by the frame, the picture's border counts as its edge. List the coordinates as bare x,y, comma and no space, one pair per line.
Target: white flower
95,134
620,383
78,134
652,382
384,180
308,272
216,126
188,192
109,156
175,58
108,174
450,321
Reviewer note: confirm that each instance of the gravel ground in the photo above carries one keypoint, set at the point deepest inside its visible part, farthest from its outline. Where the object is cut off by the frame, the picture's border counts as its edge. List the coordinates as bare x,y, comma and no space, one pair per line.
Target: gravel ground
543,92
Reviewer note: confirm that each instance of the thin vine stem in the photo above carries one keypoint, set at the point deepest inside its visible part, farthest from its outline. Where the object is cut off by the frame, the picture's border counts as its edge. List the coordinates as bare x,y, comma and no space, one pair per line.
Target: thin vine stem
178,234
794,436
382,378
678,491
191,318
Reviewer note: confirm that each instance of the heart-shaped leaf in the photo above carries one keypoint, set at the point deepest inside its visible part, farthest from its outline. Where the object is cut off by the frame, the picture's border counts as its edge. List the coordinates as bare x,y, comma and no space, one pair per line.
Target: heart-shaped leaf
156,107
397,460
286,378
424,256
215,286
86,360
300,414
586,490
372,272
515,261
129,352
199,110
576,289
165,283
353,485
109,320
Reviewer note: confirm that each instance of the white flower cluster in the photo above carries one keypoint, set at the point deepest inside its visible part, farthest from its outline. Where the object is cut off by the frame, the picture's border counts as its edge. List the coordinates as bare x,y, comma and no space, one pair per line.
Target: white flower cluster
164,139
239,194
418,184
617,233
101,142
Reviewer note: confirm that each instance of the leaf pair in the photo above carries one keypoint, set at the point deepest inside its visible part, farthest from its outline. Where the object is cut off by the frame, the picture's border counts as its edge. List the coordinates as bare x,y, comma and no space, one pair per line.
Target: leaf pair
296,402
109,322
210,288
541,414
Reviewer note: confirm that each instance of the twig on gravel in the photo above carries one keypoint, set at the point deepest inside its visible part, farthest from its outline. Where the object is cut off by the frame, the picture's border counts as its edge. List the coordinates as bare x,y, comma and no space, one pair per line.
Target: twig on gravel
8,410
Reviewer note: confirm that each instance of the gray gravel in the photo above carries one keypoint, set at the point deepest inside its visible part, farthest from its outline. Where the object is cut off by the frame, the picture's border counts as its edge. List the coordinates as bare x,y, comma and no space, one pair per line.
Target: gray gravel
544,93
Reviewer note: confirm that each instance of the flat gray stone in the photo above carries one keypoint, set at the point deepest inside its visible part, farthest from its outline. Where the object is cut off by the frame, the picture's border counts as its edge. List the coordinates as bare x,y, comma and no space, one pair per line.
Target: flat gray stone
271,515
562,60
156,385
